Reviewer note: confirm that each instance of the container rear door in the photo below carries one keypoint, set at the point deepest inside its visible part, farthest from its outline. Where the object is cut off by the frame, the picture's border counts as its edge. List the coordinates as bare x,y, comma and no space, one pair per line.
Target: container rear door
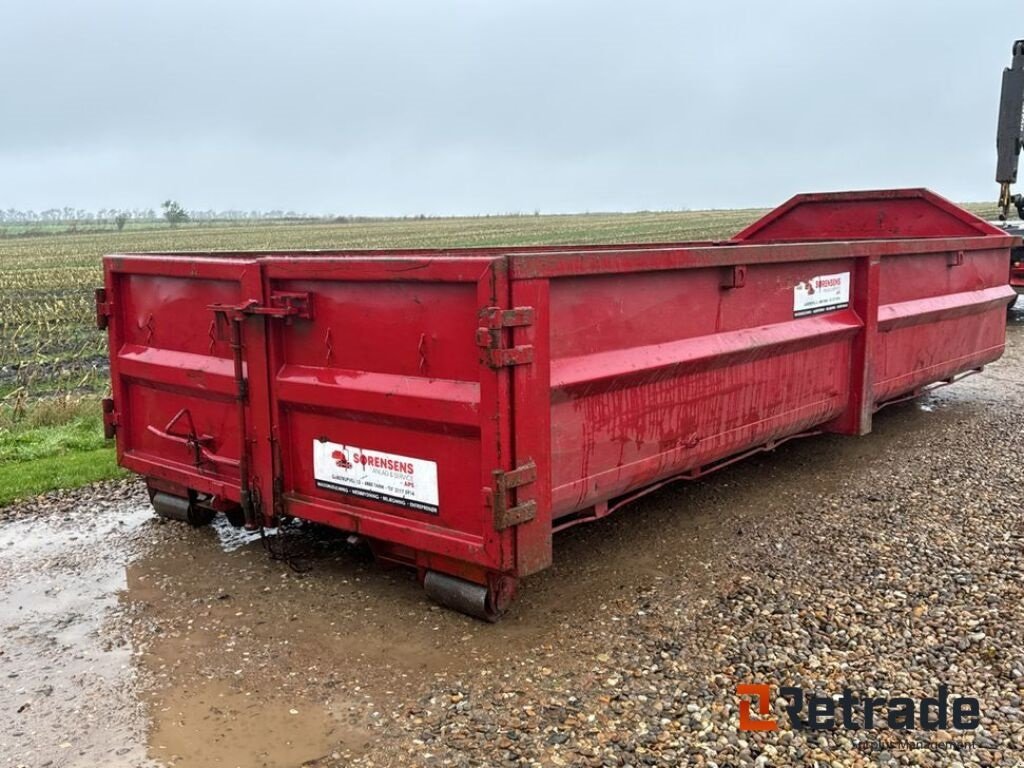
172,367
386,421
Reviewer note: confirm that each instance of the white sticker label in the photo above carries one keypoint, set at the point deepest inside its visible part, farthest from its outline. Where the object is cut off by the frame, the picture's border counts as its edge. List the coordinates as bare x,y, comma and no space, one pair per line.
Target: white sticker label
384,477
824,293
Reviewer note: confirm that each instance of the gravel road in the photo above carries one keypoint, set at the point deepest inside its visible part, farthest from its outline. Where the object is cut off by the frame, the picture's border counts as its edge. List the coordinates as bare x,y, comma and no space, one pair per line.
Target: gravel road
889,565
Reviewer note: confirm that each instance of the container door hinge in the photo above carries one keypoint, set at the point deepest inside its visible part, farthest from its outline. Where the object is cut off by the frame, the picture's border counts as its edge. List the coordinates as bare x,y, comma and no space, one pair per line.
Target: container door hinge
506,516
111,418
490,336
103,309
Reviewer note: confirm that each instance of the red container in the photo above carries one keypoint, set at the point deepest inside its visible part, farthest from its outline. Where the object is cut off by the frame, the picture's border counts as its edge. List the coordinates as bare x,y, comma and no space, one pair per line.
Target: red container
455,407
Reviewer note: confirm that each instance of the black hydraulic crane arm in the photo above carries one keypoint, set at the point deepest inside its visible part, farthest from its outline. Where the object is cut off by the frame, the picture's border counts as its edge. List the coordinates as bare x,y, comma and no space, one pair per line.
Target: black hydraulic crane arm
1010,134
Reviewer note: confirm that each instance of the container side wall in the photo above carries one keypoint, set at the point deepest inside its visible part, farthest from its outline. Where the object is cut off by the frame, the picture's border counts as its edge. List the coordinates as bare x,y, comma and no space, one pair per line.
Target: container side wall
940,313
657,373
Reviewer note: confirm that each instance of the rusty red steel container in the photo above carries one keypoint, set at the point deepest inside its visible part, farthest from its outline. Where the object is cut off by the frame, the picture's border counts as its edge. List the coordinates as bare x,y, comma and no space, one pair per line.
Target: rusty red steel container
456,407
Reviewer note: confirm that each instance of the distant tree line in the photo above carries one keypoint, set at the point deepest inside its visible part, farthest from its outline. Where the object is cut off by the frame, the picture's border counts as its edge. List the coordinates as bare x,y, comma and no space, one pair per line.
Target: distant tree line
174,213
68,215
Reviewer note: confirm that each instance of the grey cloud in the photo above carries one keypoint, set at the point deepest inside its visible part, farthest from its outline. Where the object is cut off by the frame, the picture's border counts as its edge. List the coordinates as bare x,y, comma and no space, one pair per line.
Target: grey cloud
473,107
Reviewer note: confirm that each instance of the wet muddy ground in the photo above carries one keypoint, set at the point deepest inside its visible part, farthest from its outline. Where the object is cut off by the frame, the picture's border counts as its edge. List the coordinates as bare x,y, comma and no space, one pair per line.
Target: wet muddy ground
888,564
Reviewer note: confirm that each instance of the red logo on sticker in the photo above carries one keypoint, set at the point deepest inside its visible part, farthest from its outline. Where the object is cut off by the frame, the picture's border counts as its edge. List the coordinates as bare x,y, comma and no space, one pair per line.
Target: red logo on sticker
341,459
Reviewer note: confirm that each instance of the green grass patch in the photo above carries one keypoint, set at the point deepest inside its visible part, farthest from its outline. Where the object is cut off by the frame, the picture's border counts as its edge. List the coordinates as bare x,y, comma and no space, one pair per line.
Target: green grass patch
29,478
38,457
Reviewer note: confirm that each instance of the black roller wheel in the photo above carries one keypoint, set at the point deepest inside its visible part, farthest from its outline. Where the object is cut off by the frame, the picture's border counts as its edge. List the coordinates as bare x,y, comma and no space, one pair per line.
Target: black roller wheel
488,603
181,509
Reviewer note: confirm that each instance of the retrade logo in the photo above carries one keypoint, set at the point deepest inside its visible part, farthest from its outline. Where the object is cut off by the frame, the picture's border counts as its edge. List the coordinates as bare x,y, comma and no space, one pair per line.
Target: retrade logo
817,712
763,694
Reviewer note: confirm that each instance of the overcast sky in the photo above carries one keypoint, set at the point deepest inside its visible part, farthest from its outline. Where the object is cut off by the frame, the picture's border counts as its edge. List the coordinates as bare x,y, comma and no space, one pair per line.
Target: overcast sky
390,107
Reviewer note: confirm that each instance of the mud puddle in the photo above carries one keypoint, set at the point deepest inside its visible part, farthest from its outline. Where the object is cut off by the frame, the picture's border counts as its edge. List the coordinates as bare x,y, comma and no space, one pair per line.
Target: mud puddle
67,693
